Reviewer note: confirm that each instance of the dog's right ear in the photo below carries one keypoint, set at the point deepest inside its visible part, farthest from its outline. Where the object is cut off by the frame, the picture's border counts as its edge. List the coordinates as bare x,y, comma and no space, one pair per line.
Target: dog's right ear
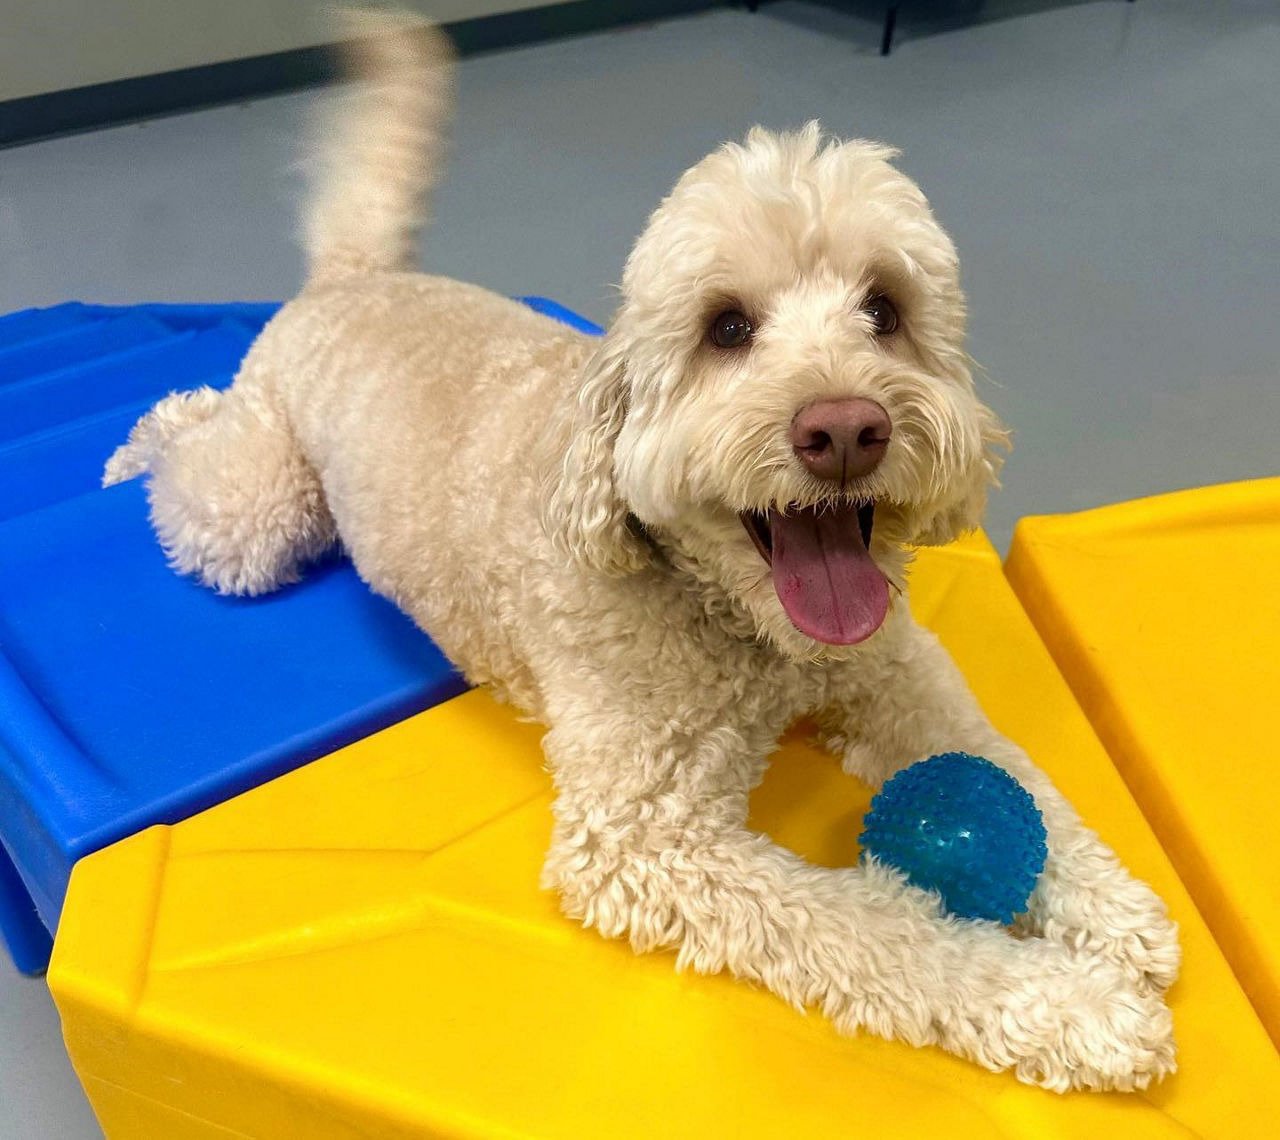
582,511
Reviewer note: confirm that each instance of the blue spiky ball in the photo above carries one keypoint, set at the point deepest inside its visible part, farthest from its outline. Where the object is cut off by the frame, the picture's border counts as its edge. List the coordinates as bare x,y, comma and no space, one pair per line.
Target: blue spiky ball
959,825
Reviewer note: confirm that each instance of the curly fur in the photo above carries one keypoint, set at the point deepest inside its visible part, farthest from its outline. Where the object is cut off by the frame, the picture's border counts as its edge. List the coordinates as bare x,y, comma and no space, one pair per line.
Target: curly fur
561,515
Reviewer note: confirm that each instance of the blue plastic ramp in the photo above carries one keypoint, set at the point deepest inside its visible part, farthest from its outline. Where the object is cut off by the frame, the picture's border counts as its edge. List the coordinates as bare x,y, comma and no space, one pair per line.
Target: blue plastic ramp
129,695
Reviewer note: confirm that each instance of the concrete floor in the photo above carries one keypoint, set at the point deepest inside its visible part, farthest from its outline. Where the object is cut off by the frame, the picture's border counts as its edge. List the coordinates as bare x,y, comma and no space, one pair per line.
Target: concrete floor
1110,172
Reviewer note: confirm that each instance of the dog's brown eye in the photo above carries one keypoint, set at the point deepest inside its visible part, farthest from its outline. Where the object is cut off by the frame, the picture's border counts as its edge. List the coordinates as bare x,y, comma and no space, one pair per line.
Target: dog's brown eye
884,317
731,330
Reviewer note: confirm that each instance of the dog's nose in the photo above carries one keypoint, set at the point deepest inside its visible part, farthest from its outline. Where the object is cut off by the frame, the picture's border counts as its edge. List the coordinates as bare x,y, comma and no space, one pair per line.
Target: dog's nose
840,440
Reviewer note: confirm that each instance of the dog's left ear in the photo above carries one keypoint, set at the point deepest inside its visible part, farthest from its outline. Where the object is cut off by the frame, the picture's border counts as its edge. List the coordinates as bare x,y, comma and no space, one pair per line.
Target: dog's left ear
582,511
964,513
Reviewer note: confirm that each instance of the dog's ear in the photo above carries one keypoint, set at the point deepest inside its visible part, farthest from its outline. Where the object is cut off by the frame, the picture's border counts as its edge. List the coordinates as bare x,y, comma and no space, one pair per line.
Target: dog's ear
965,509
582,511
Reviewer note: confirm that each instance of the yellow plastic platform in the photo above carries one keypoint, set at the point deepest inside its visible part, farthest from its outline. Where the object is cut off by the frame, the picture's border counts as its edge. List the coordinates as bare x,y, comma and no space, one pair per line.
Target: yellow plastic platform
1164,616
360,949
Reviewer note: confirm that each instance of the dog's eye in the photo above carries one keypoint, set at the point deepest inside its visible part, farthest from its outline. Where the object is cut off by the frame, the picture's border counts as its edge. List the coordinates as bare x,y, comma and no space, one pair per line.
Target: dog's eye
731,330
884,317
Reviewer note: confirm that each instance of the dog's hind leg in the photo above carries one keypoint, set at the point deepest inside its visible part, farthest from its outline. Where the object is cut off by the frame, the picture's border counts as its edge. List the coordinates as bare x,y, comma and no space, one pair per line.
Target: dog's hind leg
233,499
169,418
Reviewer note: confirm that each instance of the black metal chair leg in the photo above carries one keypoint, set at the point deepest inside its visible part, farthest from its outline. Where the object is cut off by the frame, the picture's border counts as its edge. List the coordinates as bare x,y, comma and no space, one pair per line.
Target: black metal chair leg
890,20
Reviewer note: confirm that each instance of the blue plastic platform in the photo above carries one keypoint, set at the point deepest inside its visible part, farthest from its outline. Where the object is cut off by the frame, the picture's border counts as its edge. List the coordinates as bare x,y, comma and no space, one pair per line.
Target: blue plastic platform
129,695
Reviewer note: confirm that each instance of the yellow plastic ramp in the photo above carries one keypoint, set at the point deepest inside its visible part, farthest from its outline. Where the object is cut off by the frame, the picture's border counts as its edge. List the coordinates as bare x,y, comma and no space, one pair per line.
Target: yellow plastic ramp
360,949
1164,616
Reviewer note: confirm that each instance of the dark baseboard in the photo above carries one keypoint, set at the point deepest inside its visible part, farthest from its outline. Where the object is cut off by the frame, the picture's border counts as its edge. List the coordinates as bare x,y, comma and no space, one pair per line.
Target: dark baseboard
172,92
571,18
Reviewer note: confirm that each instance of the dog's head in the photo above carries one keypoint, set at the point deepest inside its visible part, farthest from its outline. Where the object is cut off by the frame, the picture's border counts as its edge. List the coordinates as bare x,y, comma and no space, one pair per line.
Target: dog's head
784,401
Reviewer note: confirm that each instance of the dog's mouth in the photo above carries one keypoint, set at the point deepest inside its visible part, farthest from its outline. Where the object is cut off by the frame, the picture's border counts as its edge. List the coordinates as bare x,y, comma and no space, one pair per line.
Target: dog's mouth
822,568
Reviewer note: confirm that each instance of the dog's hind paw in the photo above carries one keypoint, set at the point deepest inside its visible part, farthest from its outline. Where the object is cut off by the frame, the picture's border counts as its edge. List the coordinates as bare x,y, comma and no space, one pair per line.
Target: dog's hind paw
156,430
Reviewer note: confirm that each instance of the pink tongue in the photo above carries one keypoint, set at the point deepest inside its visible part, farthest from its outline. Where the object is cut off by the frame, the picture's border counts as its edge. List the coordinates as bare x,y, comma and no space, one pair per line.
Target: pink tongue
824,576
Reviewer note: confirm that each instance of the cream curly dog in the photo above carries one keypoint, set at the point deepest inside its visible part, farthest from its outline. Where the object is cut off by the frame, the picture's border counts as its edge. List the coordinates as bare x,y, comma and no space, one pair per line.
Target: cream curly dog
668,545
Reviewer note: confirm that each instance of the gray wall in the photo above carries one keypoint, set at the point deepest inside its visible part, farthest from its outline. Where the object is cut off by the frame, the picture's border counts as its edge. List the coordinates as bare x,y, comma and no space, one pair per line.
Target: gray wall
52,45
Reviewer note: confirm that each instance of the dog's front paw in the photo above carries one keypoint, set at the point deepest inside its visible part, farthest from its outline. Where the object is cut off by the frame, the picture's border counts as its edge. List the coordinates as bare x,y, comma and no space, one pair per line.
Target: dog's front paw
1107,914
1146,949
1092,1029
1033,1007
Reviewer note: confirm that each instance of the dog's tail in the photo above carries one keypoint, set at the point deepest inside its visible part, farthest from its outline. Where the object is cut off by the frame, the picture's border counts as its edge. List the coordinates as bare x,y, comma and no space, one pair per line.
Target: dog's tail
379,153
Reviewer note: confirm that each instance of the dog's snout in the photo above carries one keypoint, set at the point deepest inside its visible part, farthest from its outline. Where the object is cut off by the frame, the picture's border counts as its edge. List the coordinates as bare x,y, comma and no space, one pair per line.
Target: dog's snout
841,439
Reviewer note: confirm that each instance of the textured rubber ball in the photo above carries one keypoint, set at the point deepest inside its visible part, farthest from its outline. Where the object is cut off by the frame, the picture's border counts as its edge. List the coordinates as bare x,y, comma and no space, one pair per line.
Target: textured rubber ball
960,825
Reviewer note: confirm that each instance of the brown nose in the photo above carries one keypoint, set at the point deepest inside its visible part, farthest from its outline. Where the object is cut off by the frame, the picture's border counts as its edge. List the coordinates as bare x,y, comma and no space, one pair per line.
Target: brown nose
841,439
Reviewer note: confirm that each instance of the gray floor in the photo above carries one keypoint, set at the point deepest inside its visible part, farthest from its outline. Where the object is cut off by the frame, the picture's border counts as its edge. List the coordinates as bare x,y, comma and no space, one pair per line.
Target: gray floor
1110,172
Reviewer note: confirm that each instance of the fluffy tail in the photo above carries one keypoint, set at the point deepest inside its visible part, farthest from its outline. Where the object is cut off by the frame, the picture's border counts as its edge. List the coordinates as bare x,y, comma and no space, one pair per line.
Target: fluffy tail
379,153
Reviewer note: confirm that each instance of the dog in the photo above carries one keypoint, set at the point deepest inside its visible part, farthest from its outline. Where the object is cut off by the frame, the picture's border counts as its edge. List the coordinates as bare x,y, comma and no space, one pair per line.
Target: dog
667,545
